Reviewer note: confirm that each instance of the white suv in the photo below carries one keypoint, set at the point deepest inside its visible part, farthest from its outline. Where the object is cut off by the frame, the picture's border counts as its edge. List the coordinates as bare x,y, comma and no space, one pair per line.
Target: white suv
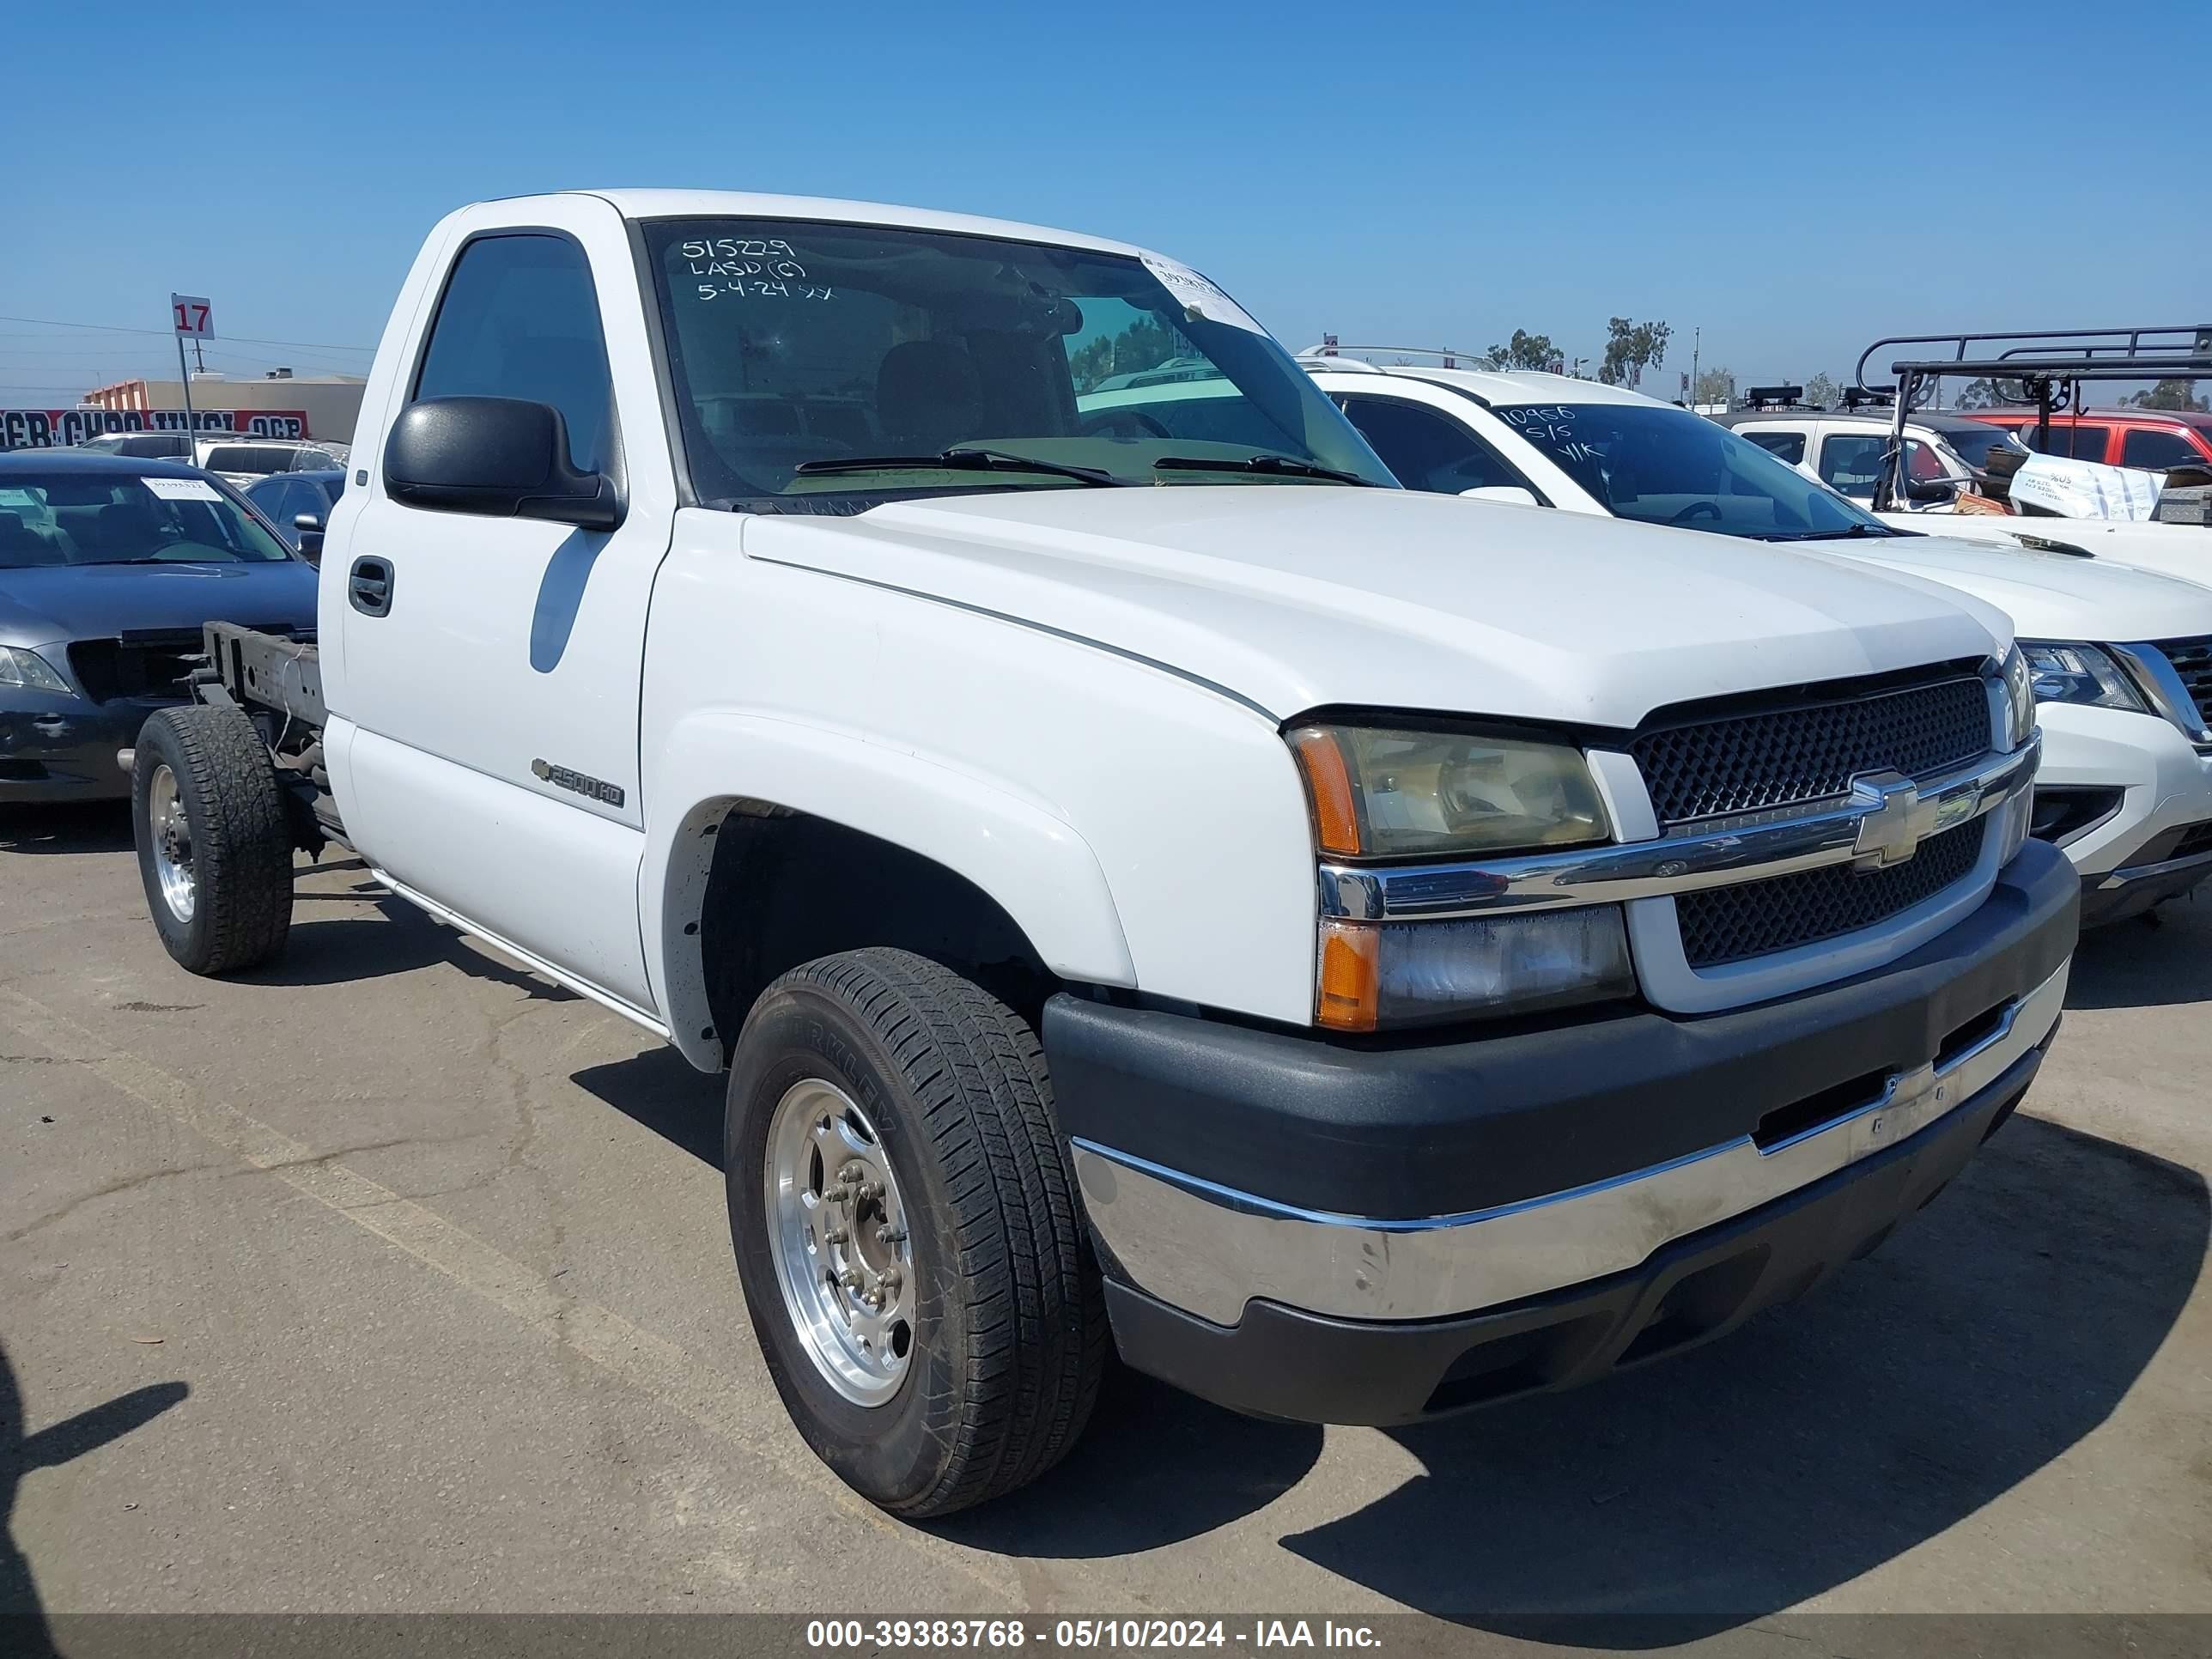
2123,657
1843,448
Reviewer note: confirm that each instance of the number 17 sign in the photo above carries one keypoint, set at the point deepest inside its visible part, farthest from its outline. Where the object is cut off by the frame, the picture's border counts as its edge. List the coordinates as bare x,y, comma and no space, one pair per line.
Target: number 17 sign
191,318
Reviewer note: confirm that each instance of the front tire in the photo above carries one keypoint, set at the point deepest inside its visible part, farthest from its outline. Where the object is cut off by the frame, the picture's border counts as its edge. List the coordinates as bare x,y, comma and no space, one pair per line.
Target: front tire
214,847
933,1320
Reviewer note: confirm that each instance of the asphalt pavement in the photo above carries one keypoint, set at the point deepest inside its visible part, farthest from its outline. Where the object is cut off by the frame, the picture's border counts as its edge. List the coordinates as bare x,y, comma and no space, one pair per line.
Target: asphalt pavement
393,1279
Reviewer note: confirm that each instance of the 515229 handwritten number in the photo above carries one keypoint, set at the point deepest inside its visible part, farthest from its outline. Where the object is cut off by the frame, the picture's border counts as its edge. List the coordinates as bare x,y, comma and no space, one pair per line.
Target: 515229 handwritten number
766,267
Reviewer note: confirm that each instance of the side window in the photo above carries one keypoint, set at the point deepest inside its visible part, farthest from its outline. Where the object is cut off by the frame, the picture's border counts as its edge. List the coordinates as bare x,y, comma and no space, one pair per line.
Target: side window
1850,463
2149,447
519,319
1426,450
2083,443
1785,446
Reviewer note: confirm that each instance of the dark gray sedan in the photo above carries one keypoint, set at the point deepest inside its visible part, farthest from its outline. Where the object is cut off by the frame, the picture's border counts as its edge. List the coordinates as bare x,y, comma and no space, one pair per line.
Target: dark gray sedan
109,564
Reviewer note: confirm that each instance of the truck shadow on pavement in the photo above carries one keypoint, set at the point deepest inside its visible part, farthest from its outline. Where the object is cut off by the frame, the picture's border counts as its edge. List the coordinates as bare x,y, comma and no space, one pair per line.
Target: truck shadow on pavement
94,827
2164,960
1985,1339
397,939
22,1620
1157,1465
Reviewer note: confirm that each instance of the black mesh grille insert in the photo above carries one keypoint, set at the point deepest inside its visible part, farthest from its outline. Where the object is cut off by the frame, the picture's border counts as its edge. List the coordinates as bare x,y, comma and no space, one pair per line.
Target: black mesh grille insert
1751,761
1730,924
2192,660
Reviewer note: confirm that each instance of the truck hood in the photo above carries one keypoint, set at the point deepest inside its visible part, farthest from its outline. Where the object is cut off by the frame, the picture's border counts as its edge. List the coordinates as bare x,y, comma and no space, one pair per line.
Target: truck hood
45,604
2048,595
2180,551
1294,597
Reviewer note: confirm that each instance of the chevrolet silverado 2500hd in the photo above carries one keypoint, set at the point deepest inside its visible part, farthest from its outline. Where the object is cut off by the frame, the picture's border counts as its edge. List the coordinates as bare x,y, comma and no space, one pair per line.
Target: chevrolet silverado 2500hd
1147,878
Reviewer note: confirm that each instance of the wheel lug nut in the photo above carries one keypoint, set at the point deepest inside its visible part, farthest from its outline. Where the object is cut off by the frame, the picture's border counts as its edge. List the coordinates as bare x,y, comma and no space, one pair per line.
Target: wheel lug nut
836,1236
891,1235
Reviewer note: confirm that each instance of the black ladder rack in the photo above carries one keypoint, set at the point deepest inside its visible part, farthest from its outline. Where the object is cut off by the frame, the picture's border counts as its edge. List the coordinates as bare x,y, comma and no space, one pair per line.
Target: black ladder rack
2051,364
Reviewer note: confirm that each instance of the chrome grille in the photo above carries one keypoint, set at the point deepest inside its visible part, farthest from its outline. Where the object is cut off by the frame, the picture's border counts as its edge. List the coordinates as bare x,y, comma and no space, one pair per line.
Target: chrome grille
1717,767
2192,662
1758,918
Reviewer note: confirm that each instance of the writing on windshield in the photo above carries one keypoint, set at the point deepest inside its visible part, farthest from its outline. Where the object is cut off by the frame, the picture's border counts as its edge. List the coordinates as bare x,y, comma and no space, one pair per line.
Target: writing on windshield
1662,465
820,362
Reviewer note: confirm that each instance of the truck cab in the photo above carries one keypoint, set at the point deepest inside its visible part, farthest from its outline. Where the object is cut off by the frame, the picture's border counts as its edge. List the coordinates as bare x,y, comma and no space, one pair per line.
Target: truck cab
1150,883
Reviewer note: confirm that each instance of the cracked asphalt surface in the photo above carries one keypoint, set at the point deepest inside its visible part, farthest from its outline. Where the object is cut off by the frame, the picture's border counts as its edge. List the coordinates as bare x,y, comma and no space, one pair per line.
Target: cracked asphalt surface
394,1279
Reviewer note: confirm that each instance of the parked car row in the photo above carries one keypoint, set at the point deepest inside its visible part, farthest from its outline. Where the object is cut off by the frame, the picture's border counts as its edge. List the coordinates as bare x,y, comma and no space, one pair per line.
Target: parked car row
237,458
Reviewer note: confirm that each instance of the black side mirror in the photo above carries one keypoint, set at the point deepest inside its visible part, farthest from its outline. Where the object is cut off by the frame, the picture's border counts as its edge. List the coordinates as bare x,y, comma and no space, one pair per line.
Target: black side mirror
310,529
502,457
1930,489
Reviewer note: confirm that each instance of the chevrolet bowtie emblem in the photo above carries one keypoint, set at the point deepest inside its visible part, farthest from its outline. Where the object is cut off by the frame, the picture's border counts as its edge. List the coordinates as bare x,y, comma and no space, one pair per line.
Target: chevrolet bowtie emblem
1897,822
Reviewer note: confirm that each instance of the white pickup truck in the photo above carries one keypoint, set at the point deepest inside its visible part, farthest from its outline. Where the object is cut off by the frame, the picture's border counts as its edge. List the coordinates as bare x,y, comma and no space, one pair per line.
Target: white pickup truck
1147,880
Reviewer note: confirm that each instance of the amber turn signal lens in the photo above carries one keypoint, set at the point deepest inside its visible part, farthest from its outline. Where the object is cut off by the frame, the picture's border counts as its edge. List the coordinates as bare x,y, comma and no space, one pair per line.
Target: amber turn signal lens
1350,993
1328,784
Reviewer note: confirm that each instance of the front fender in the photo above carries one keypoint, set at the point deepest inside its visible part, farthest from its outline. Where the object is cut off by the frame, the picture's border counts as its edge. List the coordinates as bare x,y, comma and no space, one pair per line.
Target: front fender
1027,858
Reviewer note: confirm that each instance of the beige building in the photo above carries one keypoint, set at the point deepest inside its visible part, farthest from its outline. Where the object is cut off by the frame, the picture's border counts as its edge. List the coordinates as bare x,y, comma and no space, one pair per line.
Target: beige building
328,404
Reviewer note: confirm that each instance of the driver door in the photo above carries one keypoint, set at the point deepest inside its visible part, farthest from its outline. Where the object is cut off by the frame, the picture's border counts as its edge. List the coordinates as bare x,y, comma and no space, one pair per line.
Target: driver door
493,664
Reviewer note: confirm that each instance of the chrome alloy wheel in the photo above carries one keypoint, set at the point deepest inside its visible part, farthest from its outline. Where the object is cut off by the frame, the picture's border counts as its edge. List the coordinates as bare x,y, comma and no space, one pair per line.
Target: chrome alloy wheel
837,1234
172,844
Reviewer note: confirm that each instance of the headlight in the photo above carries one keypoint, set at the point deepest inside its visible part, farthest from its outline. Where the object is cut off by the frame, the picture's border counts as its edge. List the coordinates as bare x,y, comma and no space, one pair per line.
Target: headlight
19,667
2019,698
2079,674
1375,975
1382,793
1388,791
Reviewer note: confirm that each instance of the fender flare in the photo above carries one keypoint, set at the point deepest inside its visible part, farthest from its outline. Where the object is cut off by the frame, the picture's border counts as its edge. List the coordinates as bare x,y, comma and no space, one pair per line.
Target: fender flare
1012,846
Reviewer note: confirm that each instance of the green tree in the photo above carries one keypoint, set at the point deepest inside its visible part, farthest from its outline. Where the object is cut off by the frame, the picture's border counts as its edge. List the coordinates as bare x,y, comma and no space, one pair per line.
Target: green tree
2169,394
1821,390
1146,344
1630,348
1524,350
1714,385
1992,394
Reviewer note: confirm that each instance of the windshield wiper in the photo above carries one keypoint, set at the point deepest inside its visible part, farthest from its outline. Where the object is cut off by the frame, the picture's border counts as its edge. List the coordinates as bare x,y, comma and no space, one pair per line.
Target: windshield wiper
1289,466
960,460
1854,530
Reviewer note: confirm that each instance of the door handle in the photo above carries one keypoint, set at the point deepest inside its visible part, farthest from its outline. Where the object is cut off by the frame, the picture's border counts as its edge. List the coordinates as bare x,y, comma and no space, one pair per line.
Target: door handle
368,586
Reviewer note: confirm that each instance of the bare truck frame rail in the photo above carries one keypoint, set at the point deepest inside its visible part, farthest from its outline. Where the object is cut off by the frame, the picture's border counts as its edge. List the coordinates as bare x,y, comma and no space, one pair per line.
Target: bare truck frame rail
277,682
2050,364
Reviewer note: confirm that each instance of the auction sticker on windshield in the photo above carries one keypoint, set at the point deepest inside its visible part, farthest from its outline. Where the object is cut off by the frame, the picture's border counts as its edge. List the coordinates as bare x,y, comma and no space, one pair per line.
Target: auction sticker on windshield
183,490
1199,294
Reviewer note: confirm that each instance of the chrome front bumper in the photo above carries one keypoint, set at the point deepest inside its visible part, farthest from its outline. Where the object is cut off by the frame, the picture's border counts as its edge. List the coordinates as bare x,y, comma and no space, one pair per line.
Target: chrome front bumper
1208,1250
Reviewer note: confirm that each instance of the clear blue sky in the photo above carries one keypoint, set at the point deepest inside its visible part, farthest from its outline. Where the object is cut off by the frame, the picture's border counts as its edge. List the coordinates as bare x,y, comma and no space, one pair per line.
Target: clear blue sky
1415,172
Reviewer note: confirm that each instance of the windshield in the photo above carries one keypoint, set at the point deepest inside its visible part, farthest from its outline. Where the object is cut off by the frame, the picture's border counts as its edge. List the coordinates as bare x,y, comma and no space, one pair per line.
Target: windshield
799,349
1661,466
105,518
1975,442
